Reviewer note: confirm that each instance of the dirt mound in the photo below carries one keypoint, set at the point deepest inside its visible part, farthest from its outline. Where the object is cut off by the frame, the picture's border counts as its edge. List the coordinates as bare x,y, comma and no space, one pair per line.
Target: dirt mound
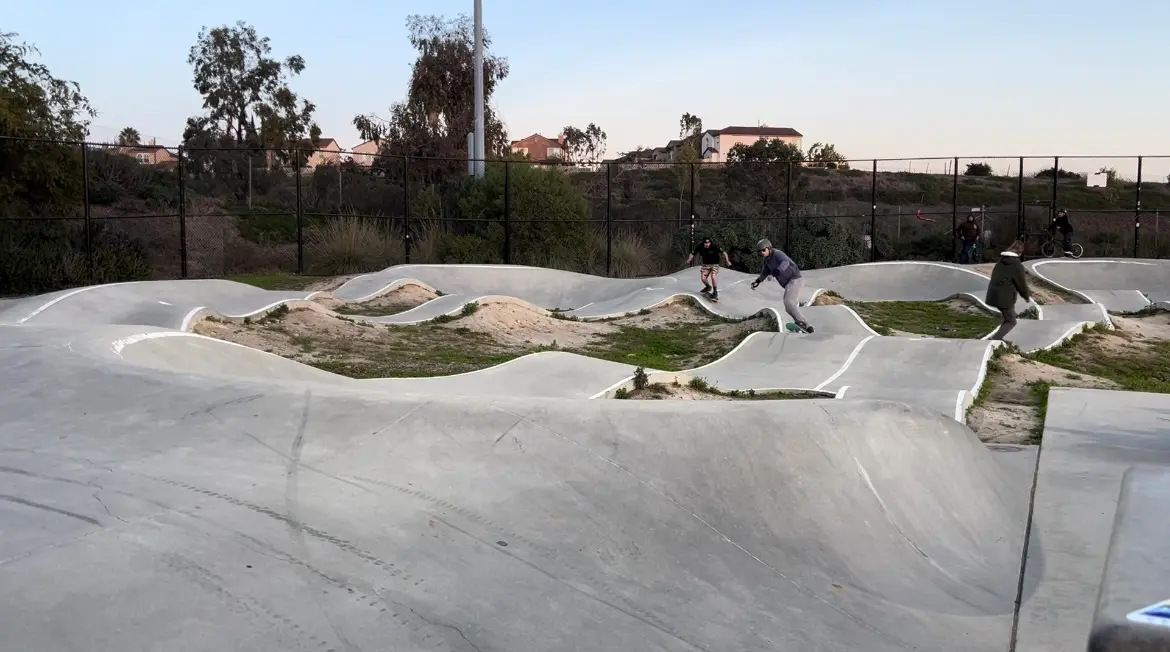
1010,413
518,324
400,299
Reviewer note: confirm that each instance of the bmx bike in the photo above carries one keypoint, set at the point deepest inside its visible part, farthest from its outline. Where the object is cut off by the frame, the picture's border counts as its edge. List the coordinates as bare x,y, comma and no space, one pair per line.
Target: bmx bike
1053,247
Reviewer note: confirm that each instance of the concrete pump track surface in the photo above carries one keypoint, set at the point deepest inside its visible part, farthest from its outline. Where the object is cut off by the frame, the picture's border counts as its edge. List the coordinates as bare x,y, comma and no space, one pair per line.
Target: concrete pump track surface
165,490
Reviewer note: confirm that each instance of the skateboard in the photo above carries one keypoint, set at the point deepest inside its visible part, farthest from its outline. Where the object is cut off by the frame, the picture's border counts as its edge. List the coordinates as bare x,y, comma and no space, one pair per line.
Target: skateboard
707,293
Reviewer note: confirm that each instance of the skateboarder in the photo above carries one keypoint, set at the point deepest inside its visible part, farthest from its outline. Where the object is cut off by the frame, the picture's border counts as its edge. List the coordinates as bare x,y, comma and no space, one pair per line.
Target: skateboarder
1007,281
709,254
778,265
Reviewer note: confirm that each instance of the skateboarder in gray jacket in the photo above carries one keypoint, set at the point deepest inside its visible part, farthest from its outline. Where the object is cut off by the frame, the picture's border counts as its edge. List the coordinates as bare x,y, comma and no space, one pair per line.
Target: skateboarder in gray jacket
778,265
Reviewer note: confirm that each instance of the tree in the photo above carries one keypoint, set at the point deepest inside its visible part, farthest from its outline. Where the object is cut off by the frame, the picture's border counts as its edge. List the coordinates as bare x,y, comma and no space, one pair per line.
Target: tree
584,145
129,136
438,112
35,105
44,178
763,166
690,126
687,156
825,155
978,170
246,95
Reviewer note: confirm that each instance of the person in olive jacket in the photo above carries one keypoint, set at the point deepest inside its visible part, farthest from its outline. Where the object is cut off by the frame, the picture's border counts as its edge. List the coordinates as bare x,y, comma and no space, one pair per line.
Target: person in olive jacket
1007,281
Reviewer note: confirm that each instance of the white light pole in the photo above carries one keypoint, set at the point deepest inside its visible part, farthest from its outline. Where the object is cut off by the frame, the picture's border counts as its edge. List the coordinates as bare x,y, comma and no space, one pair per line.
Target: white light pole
478,154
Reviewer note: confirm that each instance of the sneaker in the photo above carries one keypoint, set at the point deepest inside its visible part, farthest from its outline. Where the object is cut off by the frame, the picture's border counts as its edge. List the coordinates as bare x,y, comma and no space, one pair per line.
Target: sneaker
806,327
715,295
706,289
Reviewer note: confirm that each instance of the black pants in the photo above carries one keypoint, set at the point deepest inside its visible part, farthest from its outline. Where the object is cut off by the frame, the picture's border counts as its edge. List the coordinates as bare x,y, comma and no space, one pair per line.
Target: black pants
1009,322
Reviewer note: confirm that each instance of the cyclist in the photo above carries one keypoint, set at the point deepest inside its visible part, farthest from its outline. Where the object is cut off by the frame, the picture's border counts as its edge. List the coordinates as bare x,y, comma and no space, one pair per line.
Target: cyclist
1062,224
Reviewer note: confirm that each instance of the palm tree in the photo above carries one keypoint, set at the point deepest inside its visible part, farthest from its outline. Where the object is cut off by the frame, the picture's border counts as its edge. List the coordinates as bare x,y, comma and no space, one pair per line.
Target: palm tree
129,136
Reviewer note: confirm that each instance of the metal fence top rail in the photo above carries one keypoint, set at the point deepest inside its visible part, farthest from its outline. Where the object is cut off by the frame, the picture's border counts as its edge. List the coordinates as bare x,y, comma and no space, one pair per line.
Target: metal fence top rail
854,159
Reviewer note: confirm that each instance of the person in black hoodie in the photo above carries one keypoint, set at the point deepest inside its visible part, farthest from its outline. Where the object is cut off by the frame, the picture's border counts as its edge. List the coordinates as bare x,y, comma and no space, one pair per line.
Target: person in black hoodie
969,233
1064,225
1008,281
778,265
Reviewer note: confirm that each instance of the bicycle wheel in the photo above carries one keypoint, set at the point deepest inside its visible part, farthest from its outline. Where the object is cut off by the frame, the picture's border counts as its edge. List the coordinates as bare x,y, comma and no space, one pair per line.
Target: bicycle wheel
1077,250
1048,249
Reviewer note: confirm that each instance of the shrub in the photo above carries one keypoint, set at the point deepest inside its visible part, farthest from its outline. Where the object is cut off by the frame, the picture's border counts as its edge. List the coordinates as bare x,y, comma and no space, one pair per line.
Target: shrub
351,245
43,256
641,380
549,215
978,170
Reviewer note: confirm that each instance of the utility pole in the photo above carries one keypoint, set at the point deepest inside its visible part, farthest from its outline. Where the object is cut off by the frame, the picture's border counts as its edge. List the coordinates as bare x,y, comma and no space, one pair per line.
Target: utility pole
478,154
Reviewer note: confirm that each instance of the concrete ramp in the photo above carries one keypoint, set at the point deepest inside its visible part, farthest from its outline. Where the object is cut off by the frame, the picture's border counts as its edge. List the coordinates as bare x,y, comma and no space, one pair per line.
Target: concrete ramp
1091,437
545,374
1120,285
548,288
780,361
165,304
939,374
149,511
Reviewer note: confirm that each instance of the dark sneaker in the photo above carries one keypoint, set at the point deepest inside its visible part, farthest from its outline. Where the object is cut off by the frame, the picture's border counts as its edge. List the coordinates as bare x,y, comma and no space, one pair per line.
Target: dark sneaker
706,289
806,327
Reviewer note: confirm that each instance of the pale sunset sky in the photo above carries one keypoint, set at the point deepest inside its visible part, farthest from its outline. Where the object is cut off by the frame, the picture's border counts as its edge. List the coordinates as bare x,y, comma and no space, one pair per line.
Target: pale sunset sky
883,78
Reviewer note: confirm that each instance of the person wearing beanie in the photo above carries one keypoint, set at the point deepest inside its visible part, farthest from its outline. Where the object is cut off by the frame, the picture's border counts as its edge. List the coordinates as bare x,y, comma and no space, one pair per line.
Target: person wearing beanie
709,254
779,266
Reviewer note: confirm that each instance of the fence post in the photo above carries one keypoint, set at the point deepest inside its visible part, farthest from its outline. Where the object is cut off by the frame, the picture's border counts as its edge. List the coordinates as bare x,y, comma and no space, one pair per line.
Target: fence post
1137,210
788,211
1020,203
955,210
507,212
873,214
183,214
692,201
85,212
1055,181
300,214
608,220
406,209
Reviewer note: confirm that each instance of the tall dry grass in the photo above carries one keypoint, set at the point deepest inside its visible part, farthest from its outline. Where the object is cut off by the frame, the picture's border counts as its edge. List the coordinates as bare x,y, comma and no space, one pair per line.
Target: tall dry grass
632,254
353,245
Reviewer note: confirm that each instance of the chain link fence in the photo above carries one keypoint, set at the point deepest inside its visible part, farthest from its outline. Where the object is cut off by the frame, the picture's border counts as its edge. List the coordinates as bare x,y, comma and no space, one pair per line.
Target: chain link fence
74,214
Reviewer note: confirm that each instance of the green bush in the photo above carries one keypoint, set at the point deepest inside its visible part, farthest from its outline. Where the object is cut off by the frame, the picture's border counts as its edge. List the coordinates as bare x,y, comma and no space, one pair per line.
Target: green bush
549,215
44,256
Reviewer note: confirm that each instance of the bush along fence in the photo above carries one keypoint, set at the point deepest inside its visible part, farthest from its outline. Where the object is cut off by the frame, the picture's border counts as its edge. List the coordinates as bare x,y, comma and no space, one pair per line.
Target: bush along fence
74,214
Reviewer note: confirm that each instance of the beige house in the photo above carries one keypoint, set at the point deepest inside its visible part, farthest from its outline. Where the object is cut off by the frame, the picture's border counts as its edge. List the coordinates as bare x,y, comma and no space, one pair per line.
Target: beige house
150,153
327,152
716,144
365,153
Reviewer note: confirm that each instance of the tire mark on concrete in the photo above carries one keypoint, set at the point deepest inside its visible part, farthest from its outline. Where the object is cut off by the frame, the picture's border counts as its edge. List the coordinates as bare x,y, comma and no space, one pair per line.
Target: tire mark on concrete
49,508
601,585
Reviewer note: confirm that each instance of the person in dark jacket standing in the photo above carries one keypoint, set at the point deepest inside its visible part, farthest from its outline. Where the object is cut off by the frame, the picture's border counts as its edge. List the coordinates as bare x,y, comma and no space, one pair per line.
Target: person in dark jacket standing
779,266
1064,225
969,232
1008,281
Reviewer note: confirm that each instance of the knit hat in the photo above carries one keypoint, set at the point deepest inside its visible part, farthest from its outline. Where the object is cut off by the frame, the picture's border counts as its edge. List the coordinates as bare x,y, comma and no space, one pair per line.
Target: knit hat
764,243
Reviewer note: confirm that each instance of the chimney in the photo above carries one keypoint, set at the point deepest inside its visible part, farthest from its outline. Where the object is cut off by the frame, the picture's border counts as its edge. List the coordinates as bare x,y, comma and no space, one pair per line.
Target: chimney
152,142
561,138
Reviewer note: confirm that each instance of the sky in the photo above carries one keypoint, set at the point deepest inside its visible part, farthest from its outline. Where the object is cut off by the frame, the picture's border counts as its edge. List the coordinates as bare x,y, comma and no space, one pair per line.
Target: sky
878,79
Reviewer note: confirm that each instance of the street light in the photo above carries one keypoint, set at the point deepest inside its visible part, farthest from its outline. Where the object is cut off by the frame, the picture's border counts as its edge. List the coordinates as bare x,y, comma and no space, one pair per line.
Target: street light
478,153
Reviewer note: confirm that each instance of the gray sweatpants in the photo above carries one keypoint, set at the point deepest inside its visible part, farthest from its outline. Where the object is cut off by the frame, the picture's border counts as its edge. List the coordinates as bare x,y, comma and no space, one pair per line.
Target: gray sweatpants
1009,322
792,300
